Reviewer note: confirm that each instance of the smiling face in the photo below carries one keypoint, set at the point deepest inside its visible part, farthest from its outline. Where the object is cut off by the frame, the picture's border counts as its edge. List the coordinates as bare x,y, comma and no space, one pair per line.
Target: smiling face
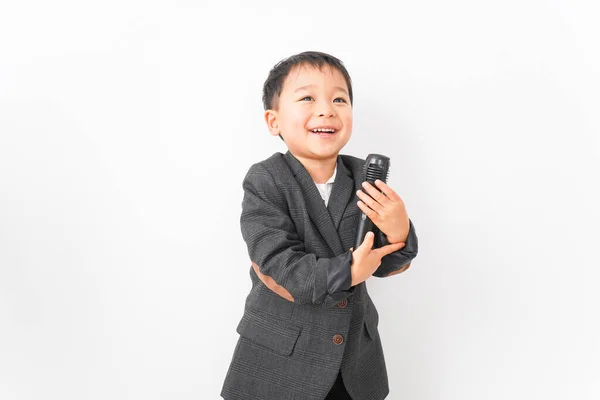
313,114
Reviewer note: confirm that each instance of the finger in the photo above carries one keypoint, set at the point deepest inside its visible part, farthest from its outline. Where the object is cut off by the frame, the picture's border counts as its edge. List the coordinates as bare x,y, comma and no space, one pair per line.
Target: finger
368,200
390,248
374,193
367,242
373,216
388,191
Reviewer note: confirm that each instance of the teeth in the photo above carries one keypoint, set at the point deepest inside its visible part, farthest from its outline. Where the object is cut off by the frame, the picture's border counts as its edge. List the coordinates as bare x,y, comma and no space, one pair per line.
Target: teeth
324,130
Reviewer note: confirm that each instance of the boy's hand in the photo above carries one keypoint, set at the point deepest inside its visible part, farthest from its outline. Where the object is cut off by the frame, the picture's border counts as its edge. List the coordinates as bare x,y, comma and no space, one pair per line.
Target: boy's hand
366,260
387,211
271,284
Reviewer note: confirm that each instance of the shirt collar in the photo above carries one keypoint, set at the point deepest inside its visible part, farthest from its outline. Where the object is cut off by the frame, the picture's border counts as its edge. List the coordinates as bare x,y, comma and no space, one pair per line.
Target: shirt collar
330,180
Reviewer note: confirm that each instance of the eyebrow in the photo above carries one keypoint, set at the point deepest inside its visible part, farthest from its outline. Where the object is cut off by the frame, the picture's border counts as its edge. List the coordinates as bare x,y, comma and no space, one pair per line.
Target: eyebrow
311,86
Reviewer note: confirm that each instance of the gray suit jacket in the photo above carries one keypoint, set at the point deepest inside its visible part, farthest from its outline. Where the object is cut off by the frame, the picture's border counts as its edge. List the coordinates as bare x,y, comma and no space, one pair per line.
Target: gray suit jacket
294,350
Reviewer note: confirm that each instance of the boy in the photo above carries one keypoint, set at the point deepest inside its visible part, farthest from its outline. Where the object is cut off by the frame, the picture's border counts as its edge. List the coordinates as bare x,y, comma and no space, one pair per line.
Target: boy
309,329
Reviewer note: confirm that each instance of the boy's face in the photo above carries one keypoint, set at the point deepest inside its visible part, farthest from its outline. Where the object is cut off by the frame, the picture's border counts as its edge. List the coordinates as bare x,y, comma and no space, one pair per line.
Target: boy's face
312,99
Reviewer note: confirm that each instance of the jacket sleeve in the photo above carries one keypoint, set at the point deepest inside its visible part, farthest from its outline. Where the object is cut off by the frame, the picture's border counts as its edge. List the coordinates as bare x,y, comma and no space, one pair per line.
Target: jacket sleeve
273,244
398,259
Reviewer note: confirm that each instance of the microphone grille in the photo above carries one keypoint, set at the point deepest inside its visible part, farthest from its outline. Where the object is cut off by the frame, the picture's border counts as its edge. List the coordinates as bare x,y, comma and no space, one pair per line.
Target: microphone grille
375,172
376,167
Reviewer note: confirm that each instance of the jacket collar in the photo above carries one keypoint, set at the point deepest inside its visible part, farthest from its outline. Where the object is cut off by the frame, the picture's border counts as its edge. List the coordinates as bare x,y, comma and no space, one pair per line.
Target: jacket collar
326,219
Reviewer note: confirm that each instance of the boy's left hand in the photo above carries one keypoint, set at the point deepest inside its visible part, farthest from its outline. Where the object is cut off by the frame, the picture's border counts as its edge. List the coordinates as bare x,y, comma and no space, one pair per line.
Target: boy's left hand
387,211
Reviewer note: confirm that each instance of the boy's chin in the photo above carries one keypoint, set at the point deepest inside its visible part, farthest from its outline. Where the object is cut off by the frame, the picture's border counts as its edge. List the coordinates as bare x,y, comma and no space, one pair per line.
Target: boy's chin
316,154
326,153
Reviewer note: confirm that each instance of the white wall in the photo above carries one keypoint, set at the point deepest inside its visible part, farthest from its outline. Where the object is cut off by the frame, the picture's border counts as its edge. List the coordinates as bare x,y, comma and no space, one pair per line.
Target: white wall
126,129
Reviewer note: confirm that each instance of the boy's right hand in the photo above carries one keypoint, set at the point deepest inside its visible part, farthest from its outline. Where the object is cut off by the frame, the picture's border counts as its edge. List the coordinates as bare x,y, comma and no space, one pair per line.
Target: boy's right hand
366,260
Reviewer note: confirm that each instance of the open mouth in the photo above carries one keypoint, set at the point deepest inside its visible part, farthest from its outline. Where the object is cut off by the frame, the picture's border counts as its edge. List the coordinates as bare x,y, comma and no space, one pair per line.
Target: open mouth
323,131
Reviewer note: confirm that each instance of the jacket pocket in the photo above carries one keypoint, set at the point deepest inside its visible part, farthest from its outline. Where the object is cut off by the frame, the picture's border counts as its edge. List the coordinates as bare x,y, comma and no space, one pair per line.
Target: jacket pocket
276,335
371,330
371,321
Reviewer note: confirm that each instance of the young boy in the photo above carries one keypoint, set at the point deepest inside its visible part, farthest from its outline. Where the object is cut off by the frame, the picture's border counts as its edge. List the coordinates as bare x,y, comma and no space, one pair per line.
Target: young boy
309,328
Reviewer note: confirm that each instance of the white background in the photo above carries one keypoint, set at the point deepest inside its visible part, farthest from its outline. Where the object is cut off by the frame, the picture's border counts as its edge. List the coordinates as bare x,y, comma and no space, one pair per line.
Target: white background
126,129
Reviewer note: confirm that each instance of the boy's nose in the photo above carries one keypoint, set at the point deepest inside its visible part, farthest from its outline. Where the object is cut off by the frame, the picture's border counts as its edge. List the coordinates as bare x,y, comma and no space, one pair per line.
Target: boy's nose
329,115
325,111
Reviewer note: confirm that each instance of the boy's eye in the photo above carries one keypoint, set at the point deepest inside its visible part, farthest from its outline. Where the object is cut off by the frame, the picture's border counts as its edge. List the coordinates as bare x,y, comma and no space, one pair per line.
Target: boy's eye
305,98
341,99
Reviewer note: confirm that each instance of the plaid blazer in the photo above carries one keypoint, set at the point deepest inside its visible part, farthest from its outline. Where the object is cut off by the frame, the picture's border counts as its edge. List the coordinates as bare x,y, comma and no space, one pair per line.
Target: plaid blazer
294,350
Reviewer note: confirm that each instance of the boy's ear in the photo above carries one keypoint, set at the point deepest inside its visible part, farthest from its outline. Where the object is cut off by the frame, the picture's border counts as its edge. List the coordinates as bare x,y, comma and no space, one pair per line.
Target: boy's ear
272,123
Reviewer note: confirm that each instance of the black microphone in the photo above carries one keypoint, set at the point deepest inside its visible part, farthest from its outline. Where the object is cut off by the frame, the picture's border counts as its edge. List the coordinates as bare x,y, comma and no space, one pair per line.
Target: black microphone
376,167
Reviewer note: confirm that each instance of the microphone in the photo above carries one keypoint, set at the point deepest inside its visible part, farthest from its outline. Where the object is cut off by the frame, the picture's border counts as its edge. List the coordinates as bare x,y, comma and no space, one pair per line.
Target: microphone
376,167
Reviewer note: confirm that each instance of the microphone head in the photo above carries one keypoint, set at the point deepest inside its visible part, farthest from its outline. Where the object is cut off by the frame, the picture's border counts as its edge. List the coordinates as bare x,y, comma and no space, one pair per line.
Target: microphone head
376,167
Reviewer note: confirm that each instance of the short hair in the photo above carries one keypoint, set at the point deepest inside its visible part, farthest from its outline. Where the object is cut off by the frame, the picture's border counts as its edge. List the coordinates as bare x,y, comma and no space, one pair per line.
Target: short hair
274,84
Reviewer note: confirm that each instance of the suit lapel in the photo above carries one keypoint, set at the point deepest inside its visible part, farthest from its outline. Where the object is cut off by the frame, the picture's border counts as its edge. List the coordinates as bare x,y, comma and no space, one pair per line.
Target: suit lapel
341,193
317,211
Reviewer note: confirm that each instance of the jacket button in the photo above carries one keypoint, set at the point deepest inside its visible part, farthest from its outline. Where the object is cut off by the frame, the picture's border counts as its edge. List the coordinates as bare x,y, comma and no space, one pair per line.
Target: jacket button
338,339
343,303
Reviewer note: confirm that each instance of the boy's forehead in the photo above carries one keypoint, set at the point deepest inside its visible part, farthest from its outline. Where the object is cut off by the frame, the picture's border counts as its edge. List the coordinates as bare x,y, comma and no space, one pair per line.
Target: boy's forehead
306,75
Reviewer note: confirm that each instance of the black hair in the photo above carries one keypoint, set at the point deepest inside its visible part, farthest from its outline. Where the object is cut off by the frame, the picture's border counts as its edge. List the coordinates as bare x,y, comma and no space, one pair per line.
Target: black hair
274,83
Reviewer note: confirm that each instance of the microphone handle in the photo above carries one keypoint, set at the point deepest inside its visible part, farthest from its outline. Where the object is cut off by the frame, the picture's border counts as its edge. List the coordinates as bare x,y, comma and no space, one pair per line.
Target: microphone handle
364,225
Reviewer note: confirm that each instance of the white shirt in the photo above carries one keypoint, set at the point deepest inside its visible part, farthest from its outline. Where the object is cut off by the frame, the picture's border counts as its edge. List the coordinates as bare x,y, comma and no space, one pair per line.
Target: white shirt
325,188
